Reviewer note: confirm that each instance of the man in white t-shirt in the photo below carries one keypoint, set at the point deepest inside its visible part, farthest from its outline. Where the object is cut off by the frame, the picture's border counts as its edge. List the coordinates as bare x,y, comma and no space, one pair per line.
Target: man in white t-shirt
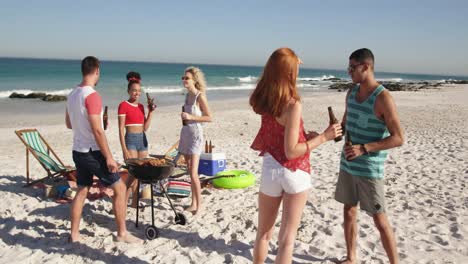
91,152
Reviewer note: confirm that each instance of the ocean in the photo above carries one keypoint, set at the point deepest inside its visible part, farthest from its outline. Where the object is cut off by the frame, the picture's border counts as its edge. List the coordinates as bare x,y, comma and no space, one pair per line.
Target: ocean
161,80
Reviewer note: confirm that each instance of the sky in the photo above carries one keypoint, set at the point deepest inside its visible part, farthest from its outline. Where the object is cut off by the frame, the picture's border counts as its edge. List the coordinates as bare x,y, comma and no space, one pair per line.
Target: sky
406,36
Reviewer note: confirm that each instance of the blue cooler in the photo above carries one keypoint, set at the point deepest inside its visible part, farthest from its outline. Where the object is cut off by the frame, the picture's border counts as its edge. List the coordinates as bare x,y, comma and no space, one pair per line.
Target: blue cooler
211,163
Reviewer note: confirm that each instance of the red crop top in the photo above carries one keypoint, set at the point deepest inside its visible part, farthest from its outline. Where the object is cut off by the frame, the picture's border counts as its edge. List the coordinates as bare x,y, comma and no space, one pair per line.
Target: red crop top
270,139
134,114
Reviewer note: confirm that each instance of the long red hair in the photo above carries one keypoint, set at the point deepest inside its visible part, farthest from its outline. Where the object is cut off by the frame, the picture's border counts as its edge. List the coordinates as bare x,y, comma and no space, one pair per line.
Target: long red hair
277,84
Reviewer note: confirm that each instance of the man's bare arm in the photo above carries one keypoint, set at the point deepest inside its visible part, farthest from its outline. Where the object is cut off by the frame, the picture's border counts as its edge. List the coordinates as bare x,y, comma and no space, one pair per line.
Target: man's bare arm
386,108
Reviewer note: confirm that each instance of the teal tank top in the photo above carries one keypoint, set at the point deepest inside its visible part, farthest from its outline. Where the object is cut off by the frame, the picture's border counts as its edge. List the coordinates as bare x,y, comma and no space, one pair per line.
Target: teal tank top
364,127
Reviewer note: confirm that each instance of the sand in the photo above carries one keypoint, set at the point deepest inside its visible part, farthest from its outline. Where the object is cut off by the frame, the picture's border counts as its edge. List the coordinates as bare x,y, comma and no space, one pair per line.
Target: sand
425,190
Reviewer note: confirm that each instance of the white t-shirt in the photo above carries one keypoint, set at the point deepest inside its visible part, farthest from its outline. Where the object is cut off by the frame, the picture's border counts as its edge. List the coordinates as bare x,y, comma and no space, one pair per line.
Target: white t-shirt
81,102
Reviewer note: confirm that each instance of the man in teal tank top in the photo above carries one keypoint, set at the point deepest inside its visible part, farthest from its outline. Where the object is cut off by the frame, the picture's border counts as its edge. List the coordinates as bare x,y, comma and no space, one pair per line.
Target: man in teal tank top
371,121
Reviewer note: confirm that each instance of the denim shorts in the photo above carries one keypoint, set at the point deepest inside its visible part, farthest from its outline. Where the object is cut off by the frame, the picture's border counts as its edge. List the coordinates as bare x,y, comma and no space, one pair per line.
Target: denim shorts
136,141
93,163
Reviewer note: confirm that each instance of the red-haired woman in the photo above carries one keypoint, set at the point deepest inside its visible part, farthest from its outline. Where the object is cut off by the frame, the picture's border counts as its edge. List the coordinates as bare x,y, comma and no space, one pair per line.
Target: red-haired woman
285,148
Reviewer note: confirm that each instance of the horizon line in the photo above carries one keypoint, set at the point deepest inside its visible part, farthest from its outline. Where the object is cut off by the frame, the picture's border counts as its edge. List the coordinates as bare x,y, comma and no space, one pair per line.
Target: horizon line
217,64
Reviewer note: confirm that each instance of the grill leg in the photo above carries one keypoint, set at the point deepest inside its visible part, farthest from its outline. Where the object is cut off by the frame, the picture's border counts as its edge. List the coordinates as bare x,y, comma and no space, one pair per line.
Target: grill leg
167,196
152,205
138,203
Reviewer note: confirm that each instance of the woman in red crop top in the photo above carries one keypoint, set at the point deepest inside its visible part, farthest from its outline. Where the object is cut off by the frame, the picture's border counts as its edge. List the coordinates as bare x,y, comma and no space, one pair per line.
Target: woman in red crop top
132,127
285,148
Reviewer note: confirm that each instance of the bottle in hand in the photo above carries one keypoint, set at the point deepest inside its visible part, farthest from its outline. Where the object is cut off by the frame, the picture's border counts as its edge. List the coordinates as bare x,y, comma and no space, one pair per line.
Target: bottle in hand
150,101
184,122
333,120
348,141
105,118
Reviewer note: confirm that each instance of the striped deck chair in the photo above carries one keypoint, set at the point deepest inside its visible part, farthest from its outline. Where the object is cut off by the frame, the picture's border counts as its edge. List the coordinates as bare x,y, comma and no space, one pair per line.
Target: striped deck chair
41,150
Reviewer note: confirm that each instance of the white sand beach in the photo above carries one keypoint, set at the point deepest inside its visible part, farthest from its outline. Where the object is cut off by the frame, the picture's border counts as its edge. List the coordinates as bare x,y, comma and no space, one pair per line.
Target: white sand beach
426,194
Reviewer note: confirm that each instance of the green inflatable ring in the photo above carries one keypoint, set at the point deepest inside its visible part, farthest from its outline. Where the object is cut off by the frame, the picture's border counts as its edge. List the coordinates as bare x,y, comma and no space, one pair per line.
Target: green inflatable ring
241,179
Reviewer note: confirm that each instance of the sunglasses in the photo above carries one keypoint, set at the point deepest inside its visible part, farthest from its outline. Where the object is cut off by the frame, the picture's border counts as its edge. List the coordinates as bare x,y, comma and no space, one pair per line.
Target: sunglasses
185,78
352,67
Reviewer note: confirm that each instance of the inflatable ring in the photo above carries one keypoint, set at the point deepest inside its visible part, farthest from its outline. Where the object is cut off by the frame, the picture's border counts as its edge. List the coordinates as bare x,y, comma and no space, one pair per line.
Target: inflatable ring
240,179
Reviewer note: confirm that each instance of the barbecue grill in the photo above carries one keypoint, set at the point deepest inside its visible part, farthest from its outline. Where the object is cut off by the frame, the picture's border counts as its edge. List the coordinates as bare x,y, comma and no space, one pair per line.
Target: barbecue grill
151,174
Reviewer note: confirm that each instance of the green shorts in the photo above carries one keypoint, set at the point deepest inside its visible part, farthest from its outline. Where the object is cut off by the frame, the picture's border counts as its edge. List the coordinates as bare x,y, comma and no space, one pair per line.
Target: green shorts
368,192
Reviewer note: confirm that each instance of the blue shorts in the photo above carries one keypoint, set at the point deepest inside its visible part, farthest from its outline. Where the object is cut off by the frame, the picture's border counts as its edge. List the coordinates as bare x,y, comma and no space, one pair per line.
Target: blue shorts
93,163
136,141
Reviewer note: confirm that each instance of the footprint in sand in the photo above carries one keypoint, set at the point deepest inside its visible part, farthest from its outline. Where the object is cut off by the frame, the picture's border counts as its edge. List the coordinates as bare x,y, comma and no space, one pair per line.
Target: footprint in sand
455,231
362,234
441,241
370,245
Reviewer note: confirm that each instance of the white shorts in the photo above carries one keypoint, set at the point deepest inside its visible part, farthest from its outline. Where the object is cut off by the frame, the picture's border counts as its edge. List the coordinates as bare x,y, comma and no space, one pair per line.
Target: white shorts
277,179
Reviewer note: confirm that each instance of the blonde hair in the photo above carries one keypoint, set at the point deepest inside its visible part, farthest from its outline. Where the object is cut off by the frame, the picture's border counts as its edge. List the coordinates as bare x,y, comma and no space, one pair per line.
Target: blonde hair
198,78
277,84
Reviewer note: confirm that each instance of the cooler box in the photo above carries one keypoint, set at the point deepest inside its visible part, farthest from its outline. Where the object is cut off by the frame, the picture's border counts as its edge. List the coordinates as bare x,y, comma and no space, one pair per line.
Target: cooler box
212,163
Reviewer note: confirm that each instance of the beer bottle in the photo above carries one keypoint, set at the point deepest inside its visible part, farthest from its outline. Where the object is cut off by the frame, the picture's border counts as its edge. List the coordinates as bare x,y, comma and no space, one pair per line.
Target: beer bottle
333,120
184,122
348,139
206,146
105,118
150,102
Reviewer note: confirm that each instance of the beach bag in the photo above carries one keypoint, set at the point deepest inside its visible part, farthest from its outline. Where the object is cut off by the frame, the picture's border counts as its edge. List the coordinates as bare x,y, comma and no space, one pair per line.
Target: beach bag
178,188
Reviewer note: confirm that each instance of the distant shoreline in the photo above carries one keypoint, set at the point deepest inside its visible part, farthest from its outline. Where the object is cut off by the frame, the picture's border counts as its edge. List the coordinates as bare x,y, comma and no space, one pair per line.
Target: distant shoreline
33,112
463,77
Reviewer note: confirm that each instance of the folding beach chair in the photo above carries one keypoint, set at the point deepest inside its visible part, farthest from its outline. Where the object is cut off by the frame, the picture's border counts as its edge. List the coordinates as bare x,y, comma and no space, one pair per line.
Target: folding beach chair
41,150
173,154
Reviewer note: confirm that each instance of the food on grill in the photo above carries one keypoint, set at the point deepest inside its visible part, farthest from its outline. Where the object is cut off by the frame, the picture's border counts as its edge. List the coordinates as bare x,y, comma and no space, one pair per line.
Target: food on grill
151,162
